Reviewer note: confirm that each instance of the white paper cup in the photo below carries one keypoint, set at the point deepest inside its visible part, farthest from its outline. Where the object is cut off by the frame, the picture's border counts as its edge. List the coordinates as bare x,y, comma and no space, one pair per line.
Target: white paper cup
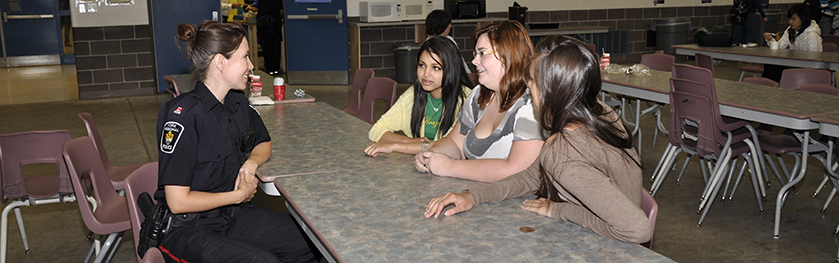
774,44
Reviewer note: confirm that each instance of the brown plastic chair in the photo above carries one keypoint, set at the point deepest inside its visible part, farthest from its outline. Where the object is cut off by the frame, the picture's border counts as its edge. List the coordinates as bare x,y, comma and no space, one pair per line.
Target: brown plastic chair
144,179
820,88
761,81
795,77
591,47
473,77
706,61
32,147
828,47
116,173
658,61
111,213
696,104
830,39
754,69
173,86
650,208
378,88
359,82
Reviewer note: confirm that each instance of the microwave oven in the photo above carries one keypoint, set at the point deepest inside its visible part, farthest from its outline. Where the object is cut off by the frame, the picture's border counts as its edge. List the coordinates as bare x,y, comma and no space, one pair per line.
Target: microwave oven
464,9
416,9
380,11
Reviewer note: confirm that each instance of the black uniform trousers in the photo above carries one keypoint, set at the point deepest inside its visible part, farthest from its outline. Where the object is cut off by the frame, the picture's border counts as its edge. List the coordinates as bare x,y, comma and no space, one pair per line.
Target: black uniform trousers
252,235
270,39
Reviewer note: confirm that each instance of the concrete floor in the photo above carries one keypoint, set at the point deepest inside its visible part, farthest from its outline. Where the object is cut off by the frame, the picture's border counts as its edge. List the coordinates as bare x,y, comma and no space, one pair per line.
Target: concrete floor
732,232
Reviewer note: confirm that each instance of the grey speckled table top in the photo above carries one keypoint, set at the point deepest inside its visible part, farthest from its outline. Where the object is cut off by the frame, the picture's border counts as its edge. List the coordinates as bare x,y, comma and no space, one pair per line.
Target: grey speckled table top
773,105
370,209
786,57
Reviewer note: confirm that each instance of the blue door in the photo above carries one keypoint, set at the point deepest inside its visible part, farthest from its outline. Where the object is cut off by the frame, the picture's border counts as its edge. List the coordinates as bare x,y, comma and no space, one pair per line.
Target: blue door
30,32
165,16
317,51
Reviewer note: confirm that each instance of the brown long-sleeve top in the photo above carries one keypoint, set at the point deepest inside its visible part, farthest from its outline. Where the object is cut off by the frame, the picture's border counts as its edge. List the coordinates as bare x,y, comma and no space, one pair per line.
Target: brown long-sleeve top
601,185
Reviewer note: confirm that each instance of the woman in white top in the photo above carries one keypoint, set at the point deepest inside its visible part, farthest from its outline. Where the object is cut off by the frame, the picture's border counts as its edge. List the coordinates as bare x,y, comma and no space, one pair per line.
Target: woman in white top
802,34
497,134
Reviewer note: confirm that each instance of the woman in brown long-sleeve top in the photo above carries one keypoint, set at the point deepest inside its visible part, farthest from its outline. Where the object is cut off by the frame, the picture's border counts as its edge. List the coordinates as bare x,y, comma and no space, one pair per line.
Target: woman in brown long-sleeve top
587,171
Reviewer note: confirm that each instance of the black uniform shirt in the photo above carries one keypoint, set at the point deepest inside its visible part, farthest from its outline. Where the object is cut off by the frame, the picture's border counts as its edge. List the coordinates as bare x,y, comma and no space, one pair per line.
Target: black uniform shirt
199,140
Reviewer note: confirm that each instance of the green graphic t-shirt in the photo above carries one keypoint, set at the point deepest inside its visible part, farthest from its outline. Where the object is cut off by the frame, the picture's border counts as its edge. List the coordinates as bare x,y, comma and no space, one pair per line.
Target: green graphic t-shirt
433,111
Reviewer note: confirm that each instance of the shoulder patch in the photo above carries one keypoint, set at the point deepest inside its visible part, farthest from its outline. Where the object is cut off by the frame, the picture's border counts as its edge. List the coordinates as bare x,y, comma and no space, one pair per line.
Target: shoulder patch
178,110
171,133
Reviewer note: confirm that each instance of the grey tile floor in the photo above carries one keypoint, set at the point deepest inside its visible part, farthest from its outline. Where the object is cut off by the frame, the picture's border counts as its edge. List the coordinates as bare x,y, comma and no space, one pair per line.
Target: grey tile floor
733,232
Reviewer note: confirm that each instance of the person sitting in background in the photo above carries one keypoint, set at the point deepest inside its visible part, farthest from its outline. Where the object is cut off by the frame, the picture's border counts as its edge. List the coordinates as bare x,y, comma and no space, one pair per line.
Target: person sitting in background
497,134
428,110
439,23
802,34
587,172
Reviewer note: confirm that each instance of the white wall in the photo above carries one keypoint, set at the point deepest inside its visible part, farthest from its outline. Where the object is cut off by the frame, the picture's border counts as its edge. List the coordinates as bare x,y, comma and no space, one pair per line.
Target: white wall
100,13
547,5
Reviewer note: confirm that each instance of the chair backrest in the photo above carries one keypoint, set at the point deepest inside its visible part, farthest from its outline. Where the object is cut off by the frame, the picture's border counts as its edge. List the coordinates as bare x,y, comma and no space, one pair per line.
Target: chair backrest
706,61
695,73
359,82
473,77
761,81
650,208
173,86
378,88
795,77
658,61
93,133
693,106
820,88
31,147
83,162
144,179
591,47
828,47
830,39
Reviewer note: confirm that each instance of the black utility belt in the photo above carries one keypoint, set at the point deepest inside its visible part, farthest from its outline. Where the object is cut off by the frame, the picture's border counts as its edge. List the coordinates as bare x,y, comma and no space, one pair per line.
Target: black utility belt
191,219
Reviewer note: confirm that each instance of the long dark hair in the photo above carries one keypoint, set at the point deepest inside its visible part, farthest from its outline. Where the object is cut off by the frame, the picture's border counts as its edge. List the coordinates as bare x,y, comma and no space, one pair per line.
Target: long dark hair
208,39
514,49
804,14
567,75
454,78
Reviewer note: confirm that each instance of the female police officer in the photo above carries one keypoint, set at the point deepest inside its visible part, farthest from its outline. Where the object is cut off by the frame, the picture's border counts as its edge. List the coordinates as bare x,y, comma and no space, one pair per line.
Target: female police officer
203,173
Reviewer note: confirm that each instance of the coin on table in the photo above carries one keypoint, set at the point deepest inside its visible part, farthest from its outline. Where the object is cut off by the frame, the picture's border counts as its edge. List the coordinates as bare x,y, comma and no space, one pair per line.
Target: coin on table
526,229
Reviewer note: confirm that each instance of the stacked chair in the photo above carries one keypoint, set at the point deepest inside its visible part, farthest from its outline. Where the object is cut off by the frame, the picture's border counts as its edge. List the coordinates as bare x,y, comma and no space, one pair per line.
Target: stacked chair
696,126
359,82
24,148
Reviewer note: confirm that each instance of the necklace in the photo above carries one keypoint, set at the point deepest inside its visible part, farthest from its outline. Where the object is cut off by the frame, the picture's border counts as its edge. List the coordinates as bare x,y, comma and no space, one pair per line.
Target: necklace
436,109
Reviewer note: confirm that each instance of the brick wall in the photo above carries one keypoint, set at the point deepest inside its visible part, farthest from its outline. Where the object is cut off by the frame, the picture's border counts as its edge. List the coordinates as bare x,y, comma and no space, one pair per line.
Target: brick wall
377,43
114,61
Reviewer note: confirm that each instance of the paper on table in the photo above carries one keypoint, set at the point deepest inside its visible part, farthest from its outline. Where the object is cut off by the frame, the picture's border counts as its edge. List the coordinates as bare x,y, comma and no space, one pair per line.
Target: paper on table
261,100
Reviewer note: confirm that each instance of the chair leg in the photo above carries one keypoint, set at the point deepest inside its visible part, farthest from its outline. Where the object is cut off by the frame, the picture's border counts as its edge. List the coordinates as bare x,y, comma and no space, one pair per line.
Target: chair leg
705,206
22,230
114,247
4,227
661,160
665,169
685,165
775,169
731,175
741,75
829,199
820,187
110,243
90,252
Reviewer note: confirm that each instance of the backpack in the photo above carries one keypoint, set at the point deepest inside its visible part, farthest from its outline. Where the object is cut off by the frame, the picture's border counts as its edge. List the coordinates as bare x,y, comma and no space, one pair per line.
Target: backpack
739,12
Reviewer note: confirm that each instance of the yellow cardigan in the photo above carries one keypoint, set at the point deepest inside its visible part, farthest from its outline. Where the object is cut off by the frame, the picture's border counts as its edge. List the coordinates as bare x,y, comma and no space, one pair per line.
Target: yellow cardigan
398,117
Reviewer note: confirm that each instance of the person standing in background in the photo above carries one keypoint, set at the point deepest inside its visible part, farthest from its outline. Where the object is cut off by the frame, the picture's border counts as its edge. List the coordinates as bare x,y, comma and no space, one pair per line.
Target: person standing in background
740,31
828,8
226,6
439,23
269,27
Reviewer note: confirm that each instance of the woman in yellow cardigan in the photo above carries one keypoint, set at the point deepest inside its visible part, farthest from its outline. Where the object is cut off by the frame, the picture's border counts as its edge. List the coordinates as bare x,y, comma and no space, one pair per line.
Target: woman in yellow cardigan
427,114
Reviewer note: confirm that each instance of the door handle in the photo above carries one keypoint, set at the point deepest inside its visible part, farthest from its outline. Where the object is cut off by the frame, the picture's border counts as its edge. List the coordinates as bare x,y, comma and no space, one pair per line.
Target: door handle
6,16
339,16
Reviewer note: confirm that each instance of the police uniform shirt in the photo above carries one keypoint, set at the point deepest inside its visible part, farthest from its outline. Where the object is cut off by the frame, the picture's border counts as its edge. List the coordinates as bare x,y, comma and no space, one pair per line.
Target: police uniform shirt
199,140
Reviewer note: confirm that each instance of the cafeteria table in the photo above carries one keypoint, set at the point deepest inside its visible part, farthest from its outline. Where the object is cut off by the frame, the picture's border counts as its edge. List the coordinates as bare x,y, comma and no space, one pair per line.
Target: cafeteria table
764,55
791,109
362,209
